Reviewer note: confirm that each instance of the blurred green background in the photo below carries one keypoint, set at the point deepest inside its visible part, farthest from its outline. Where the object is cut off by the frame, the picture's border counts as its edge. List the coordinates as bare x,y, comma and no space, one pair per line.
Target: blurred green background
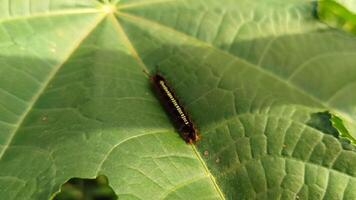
86,189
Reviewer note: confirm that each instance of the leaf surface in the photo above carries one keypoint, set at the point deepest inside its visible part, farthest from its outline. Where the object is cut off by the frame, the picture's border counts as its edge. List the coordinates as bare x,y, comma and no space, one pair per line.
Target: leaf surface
75,102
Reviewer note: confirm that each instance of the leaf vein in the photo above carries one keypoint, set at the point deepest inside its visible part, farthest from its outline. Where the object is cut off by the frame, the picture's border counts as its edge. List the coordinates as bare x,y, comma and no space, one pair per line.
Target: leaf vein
46,83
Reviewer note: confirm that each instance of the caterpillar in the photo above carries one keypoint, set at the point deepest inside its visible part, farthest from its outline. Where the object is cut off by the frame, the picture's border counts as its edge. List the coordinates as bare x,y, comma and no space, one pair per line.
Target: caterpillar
175,110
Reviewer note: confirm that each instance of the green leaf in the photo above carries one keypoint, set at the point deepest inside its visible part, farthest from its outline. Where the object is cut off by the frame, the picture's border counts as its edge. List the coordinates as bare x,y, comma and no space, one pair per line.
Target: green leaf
75,100
340,126
341,13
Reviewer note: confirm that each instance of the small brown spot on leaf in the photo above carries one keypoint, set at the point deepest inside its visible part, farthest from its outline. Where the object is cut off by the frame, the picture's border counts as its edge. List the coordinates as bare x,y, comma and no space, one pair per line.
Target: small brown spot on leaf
206,153
44,118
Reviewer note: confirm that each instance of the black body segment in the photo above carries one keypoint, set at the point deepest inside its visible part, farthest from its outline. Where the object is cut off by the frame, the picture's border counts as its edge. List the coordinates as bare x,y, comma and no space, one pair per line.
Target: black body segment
174,109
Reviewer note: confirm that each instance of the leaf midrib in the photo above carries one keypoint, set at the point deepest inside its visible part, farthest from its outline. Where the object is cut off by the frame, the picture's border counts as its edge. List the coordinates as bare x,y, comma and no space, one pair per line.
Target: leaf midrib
144,3
136,56
51,14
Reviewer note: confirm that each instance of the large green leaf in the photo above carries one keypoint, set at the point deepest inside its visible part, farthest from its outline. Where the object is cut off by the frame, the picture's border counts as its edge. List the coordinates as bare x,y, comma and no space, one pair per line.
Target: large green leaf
255,76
